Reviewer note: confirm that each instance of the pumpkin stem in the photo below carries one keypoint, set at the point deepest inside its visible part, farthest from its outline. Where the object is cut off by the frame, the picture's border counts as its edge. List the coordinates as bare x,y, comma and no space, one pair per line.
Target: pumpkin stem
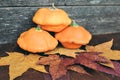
53,6
74,24
38,28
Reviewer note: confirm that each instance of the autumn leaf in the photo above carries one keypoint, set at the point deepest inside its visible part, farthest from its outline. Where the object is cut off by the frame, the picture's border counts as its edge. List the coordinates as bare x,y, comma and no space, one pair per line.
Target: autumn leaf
87,60
95,56
100,47
115,71
57,65
112,54
54,62
77,68
108,64
106,49
19,63
65,51
90,59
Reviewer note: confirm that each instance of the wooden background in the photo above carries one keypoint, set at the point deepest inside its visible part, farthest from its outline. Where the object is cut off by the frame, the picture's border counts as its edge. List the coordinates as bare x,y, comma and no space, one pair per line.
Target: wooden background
98,16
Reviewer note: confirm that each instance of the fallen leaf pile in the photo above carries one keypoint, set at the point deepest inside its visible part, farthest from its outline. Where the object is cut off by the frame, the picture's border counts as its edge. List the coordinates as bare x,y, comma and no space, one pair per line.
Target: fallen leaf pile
99,57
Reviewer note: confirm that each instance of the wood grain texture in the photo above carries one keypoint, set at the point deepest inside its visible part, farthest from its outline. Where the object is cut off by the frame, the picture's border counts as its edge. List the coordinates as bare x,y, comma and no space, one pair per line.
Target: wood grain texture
97,16
96,19
92,2
57,2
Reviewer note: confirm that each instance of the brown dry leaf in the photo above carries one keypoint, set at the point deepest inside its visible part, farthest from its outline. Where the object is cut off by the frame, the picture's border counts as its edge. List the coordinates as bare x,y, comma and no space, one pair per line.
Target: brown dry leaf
115,71
77,68
55,69
19,63
65,51
109,64
57,65
90,59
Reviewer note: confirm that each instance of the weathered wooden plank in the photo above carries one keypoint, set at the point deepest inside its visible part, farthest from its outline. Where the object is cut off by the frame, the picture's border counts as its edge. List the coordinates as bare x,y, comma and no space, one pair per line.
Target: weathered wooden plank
57,2
30,2
92,2
97,19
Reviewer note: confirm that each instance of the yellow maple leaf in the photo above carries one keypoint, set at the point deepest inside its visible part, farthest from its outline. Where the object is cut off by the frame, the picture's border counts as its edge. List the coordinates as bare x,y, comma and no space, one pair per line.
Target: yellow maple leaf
19,63
100,47
64,51
106,50
112,54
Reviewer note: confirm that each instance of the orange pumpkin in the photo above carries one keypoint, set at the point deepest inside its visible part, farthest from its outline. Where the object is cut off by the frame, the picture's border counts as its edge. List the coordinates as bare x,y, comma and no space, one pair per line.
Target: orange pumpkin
74,36
37,40
52,19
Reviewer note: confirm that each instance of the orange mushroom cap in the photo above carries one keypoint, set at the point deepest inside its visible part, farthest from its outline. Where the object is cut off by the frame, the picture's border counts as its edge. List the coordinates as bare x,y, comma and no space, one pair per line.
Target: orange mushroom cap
75,35
35,40
51,19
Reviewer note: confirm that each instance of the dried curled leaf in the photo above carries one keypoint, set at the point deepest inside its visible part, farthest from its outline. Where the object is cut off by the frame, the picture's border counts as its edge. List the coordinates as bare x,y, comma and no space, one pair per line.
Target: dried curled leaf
108,64
55,68
57,65
115,71
77,68
93,63
19,63
90,59
65,51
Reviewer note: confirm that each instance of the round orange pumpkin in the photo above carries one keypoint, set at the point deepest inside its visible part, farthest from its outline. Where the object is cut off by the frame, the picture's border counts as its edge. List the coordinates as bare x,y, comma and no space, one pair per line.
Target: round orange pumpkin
52,19
74,36
36,40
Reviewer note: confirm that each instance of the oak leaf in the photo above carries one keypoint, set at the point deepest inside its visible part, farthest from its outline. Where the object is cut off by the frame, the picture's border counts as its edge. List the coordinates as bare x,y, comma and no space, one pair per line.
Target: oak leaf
19,63
65,51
